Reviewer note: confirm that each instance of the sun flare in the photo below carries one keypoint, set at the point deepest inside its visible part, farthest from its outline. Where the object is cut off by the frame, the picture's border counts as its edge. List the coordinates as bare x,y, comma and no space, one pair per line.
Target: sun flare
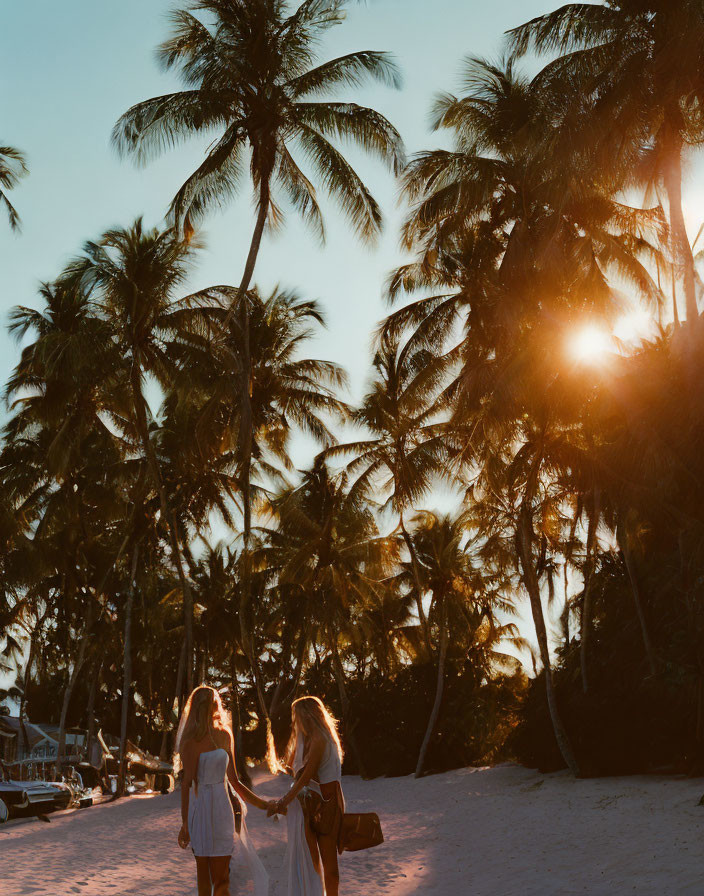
591,344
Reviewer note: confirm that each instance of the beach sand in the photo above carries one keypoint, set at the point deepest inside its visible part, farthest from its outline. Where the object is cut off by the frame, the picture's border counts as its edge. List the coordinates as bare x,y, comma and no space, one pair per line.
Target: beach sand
480,832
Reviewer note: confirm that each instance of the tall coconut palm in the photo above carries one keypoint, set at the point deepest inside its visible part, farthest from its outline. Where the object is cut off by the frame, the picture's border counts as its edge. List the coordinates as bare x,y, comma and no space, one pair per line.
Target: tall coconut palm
251,79
523,203
408,449
643,61
464,596
287,393
327,543
456,588
13,167
62,461
132,276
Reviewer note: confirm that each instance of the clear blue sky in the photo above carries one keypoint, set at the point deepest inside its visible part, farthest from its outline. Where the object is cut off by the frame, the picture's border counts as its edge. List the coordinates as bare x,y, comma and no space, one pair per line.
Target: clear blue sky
70,69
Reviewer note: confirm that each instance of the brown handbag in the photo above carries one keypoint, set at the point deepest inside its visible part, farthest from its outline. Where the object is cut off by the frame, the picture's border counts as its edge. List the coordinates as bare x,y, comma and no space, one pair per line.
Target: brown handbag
360,831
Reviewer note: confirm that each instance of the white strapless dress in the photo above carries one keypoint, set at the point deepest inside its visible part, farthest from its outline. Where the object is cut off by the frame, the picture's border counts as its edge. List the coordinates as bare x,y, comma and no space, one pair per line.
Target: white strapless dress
211,821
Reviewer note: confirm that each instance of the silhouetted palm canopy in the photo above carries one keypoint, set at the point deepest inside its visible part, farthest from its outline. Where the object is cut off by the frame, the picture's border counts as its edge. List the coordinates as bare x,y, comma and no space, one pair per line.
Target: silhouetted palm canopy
251,81
641,64
288,392
407,448
519,199
515,221
327,542
13,168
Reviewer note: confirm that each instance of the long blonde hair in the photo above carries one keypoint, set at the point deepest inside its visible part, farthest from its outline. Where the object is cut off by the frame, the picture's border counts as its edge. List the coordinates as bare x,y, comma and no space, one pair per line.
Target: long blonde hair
308,714
203,714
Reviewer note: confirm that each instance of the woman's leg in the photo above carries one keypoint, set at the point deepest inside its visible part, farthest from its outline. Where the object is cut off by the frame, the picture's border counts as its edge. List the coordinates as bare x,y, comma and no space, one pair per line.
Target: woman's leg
220,875
205,888
312,842
328,856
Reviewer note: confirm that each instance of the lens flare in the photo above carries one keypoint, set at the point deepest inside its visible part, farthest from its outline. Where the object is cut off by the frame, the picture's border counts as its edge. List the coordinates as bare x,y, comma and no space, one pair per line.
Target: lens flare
590,344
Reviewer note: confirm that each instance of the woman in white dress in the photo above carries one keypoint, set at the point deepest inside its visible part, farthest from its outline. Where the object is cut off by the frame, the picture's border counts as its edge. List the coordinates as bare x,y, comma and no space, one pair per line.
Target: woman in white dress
205,751
314,753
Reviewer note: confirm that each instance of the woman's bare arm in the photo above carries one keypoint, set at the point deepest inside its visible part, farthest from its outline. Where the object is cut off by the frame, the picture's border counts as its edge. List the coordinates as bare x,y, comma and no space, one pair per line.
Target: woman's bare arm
189,759
240,789
317,751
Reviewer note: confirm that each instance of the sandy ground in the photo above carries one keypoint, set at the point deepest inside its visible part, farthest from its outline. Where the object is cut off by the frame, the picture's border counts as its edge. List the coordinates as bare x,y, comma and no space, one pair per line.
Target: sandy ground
486,832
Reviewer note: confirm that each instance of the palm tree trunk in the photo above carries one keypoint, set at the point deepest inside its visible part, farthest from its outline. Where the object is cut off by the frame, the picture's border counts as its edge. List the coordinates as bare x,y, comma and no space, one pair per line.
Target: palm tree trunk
248,647
255,245
140,406
339,674
263,203
439,687
236,716
26,680
622,538
127,671
202,665
673,287
276,697
300,658
70,685
530,579
247,436
180,676
419,590
590,564
172,722
90,709
682,251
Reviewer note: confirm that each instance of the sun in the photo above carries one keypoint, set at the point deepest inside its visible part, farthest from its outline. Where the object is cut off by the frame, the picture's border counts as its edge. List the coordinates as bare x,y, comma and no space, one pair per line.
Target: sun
590,344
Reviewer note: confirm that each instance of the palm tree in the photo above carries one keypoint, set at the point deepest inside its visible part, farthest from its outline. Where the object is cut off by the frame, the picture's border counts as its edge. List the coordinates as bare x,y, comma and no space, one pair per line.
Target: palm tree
516,505
547,234
131,276
457,590
63,466
287,393
251,78
13,167
517,199
408,449
642,61
327,545
73,537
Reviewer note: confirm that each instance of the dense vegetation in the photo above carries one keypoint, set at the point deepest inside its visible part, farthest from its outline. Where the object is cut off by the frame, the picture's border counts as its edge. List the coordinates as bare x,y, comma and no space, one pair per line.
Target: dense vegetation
143,419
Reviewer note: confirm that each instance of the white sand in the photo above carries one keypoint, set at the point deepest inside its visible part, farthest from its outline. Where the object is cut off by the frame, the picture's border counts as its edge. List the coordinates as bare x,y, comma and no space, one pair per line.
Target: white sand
490,832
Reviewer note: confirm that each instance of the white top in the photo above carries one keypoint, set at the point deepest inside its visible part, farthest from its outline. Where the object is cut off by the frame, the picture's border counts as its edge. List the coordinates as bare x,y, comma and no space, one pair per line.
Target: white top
329,770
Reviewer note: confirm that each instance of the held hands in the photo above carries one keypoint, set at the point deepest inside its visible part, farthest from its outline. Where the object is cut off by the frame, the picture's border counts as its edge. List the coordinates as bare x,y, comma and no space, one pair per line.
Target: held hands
276,807
183,837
